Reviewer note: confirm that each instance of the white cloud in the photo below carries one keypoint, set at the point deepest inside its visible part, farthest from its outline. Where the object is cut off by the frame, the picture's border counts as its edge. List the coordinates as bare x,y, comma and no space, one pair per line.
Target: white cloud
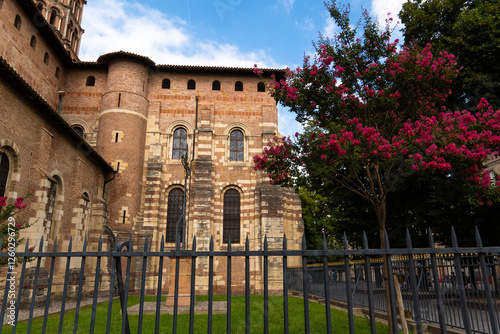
306,24
287,125
381,8
330,28
114,25
286,4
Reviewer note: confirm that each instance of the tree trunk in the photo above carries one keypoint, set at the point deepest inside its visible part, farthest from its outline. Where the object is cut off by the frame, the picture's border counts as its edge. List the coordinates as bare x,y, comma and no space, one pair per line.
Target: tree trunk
382,216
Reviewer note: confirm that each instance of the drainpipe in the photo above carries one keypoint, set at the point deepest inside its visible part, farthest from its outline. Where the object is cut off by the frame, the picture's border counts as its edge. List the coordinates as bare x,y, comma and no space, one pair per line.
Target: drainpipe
106,181
192,159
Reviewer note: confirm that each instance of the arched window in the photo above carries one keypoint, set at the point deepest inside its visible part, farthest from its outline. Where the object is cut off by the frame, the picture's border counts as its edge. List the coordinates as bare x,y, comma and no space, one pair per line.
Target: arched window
51,203
40,6
191,84
261,87
54,13
238,86
216,85
74,40
90,81
58,72
165,84
17,22
236,146
231,220
175,214
46,58
4,172
180,143
78,130
33,42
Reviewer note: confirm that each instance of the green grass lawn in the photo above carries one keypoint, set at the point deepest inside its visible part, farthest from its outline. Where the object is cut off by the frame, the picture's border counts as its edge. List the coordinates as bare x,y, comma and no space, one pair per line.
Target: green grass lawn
296,318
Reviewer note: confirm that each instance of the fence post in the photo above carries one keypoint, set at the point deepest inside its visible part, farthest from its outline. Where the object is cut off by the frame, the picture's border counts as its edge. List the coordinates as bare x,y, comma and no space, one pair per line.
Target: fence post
437,288
368,270
347,267
413,283
305,284
326,278
285,287
486,284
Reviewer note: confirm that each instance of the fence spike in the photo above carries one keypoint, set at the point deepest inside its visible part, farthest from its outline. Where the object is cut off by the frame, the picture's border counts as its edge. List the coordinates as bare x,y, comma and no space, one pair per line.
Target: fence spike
325,247
247,244
408,239
85,244
454,240
229,243
345,242
162,243
431,238
284,241
40,248
70,245
365,241
265,242
479,241
99,247
194,242
211,245
55,245
304,244
27,245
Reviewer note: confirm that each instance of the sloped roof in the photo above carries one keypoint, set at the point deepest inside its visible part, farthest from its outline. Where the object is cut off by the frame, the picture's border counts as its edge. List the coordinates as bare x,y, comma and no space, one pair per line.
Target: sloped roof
40,105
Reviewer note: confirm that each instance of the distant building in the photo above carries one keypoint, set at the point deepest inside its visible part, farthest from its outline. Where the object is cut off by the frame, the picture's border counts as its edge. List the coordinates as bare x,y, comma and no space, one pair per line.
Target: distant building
99,145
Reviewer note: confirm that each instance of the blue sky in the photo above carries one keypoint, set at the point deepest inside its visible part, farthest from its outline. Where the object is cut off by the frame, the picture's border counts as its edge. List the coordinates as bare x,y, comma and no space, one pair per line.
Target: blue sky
239,33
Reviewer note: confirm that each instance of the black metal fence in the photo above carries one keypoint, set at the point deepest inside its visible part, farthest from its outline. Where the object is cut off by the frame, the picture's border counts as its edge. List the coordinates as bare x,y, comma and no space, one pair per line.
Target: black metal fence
453,287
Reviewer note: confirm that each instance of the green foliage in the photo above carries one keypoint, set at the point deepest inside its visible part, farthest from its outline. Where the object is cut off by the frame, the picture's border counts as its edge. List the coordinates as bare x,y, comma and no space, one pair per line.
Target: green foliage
468,29
377,127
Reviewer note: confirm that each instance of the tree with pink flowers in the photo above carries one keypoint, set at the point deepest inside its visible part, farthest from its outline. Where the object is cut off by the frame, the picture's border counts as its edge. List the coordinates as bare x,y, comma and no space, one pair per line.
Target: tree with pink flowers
375,115
10,228
377,111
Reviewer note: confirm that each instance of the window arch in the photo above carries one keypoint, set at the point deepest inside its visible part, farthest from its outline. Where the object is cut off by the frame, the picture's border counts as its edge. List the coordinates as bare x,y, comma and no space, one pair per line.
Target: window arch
40,5
46,58
165,84
261,87
17,22
216,85
238,86
236,145
51,199
52,207
54,15
79,129
191,84
33,42
90,81
231,218
4,172
175,208
179,147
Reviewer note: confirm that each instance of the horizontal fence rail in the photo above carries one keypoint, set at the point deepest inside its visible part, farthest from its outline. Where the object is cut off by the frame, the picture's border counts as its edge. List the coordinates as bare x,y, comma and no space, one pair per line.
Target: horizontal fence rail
452,287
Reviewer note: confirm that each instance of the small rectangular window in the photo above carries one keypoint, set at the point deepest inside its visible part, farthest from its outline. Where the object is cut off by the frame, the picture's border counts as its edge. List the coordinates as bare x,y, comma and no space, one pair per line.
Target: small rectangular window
119,99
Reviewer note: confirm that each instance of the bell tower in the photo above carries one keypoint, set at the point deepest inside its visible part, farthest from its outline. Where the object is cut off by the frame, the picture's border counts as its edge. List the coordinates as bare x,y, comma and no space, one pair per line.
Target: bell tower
65,17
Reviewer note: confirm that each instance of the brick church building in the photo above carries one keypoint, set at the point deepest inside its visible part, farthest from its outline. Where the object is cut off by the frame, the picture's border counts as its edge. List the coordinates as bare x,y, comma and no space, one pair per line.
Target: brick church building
100,147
